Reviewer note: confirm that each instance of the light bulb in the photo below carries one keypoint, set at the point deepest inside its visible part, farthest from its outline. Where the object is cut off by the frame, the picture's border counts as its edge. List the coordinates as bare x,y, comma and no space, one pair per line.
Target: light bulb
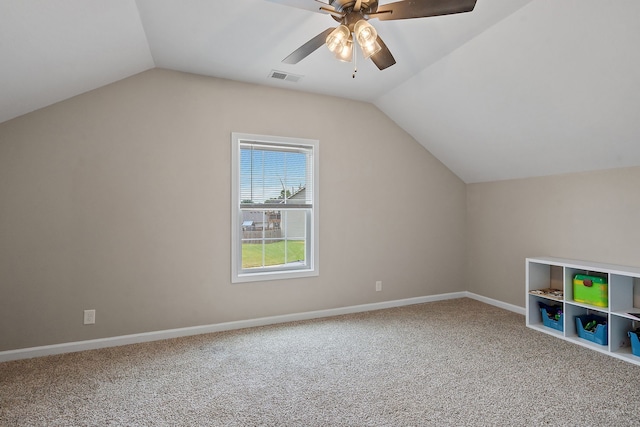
367,37
365,33
371,49
345,51
336,40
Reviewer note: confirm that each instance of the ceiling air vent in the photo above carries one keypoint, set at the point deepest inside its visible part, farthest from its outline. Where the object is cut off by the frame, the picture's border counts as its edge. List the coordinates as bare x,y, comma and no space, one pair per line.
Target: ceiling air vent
281,75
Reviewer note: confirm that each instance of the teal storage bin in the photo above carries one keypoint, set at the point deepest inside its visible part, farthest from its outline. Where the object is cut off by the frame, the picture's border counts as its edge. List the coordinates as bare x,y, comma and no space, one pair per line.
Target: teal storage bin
599,336
635,343
551,322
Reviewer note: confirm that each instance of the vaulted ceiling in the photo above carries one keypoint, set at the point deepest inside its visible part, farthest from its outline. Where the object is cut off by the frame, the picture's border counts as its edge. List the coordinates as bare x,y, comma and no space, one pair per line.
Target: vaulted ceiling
515,88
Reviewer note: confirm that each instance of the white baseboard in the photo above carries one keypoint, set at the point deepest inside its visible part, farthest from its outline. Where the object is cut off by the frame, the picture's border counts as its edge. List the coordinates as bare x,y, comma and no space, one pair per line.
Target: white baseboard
47,350
491,301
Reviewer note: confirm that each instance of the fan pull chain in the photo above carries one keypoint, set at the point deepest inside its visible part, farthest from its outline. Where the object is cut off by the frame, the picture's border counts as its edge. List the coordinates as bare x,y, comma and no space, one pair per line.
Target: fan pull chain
355,64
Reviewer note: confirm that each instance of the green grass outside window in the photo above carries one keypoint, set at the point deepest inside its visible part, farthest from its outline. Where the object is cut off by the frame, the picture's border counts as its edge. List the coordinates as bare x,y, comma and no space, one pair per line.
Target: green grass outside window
273,253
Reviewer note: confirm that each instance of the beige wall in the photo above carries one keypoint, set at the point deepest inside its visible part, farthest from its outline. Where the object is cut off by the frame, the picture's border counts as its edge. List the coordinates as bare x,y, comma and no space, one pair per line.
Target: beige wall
119,200
588,216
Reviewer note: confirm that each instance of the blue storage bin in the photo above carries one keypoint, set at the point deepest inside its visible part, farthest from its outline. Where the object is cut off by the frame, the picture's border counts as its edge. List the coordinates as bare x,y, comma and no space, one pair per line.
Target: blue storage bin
552,323
635,343
599,336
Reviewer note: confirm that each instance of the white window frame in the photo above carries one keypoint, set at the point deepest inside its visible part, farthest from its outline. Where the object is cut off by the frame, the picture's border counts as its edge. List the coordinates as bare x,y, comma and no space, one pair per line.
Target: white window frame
238,275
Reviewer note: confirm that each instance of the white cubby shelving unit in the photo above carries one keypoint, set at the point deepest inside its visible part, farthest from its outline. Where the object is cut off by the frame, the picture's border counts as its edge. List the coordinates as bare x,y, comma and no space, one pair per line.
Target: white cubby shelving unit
557,273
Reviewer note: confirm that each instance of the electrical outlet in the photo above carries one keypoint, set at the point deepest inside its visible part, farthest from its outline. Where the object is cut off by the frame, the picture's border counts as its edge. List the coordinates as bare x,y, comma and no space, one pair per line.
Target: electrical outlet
378,285
89,317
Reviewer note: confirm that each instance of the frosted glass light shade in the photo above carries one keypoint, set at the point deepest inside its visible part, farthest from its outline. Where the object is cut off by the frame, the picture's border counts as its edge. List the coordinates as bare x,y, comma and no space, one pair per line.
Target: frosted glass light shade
345,51
337,38
367,37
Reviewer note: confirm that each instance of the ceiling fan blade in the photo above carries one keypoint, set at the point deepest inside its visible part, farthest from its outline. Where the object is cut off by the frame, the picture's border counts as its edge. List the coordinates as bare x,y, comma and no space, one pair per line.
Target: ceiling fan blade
383,59
308,48
422,8
311,5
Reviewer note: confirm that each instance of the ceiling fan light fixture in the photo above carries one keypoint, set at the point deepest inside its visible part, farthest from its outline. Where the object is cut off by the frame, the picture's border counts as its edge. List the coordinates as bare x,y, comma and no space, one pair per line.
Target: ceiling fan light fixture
338,38
352,15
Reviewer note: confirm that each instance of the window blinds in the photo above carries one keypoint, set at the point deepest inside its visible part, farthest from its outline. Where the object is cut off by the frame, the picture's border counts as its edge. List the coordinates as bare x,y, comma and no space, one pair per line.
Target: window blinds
275,174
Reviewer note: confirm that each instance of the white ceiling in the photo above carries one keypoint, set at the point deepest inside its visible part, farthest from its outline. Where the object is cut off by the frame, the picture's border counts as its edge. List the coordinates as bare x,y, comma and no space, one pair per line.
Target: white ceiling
516,88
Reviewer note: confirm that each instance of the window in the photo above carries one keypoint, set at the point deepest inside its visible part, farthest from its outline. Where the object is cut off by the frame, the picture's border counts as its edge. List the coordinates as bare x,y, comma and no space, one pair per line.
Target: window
274,199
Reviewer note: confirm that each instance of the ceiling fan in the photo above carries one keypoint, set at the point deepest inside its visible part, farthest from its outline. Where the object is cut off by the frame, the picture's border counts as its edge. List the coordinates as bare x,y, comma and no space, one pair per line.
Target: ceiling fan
353,16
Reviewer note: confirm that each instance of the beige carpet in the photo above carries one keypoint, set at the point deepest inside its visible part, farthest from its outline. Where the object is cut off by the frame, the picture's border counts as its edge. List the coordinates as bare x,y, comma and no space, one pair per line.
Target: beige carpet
452,363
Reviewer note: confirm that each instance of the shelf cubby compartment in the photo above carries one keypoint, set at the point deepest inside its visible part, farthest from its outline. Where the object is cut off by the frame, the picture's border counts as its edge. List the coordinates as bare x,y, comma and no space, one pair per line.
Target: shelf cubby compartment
619,328
535,318
544,276
569,274
572,311
621,300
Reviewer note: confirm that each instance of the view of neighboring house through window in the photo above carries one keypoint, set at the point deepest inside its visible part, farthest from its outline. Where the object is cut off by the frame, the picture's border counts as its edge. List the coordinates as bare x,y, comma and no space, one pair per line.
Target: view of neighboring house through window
274,207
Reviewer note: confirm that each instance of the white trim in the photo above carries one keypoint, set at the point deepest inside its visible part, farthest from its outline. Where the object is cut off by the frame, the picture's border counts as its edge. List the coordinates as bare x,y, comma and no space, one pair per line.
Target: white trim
313,267
495,302
47,350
